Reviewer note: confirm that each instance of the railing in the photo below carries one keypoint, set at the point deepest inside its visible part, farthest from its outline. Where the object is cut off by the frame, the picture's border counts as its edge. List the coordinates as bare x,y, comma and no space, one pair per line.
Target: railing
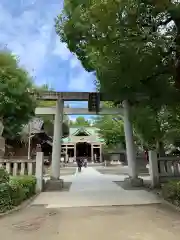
163,169
19,167
169,167
26,167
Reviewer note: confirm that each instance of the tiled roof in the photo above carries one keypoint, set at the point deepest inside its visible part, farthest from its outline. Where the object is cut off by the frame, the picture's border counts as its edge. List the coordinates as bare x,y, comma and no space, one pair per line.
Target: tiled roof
91,131
35,125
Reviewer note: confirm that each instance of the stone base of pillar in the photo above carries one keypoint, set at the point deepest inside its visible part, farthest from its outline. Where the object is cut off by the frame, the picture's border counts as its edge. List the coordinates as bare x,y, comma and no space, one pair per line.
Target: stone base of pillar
134,182
54,185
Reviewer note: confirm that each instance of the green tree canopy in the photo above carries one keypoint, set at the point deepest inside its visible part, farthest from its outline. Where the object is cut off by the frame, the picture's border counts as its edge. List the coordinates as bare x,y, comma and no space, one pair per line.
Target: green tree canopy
134,49
16,104
156,128
111,129
49,119
80,122
121,41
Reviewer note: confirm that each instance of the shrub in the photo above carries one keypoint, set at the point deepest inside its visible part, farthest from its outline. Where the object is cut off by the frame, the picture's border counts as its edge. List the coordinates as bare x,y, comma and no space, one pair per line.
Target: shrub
4,176
17,193
28,183
5,197
12,193
171,191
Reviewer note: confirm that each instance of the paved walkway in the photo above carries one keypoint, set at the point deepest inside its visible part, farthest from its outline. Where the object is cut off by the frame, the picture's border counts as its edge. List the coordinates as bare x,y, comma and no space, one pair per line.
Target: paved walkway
91,188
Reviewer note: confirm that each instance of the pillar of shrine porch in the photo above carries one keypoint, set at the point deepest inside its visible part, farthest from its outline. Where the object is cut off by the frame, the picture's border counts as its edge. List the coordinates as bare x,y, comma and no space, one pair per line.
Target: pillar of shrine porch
100,153
130,149
92,153
66,155
75,152
56,150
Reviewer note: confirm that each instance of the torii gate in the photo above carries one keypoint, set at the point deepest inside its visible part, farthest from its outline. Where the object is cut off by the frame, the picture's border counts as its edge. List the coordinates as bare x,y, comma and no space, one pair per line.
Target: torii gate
59,110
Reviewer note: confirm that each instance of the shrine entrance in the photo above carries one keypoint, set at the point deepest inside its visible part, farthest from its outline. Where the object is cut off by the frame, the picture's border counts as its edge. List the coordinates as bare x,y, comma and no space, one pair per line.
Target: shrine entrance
94,108
83,149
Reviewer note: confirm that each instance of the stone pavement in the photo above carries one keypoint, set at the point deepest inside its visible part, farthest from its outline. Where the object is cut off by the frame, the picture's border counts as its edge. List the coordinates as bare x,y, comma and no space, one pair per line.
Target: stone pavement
91,188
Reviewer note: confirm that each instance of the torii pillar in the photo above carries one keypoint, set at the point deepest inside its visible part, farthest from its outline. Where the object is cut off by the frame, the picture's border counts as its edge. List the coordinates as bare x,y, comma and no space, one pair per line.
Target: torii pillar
130,148
56,151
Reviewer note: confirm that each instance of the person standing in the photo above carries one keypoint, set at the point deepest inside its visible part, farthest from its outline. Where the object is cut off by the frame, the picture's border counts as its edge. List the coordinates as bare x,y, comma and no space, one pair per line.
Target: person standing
85,162
79,164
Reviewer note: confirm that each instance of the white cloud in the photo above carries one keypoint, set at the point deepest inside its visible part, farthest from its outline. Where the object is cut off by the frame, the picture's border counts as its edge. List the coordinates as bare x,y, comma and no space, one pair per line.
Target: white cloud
72,118
82,82
28,2
61,50
28,35
74,62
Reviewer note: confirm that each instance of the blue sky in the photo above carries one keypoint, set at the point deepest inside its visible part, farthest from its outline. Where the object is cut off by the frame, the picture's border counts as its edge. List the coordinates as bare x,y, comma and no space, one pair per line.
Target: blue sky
27,29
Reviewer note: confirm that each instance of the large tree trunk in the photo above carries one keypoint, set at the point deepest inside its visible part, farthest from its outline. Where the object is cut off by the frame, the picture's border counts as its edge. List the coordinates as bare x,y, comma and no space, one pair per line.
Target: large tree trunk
175,15
177,63
160,148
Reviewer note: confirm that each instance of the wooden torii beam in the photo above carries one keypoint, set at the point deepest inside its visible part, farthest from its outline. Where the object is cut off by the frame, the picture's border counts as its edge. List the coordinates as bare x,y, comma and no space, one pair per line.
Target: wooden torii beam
66,96
78,111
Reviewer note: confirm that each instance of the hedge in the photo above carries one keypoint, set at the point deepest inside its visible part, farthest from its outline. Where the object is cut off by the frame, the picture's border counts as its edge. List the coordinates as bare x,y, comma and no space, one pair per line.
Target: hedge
28,183
14,190
4,176
17,193
171,192
6,202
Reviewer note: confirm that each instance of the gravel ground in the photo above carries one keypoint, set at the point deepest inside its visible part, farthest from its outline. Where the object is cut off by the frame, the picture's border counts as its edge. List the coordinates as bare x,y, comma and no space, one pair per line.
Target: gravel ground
152,222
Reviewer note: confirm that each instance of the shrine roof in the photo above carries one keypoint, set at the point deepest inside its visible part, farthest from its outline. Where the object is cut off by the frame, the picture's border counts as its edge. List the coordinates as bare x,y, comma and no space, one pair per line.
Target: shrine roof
88,134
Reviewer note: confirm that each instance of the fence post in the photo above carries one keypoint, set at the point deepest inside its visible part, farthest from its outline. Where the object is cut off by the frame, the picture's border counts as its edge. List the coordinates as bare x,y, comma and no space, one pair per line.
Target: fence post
153,169
39,171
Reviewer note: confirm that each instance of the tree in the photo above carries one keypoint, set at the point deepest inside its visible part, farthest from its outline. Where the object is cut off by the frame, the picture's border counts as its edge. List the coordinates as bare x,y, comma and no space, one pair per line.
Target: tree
148,127
49,126
49,119
114,39
80,122
157,128
16,103
132,50
110,129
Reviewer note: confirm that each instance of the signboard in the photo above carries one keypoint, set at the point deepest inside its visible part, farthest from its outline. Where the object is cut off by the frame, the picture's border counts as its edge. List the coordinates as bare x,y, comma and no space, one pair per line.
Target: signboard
94,102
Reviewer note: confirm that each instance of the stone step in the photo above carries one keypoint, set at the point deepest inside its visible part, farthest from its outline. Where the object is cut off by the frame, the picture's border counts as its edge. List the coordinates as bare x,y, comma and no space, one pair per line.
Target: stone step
52,185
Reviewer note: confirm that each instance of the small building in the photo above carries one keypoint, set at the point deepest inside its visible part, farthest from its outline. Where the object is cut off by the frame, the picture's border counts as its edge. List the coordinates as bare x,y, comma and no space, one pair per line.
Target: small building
82,142
33,133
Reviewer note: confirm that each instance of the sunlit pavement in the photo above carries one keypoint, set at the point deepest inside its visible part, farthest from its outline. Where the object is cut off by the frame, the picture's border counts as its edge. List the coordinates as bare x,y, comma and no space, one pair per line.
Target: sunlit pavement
91,188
